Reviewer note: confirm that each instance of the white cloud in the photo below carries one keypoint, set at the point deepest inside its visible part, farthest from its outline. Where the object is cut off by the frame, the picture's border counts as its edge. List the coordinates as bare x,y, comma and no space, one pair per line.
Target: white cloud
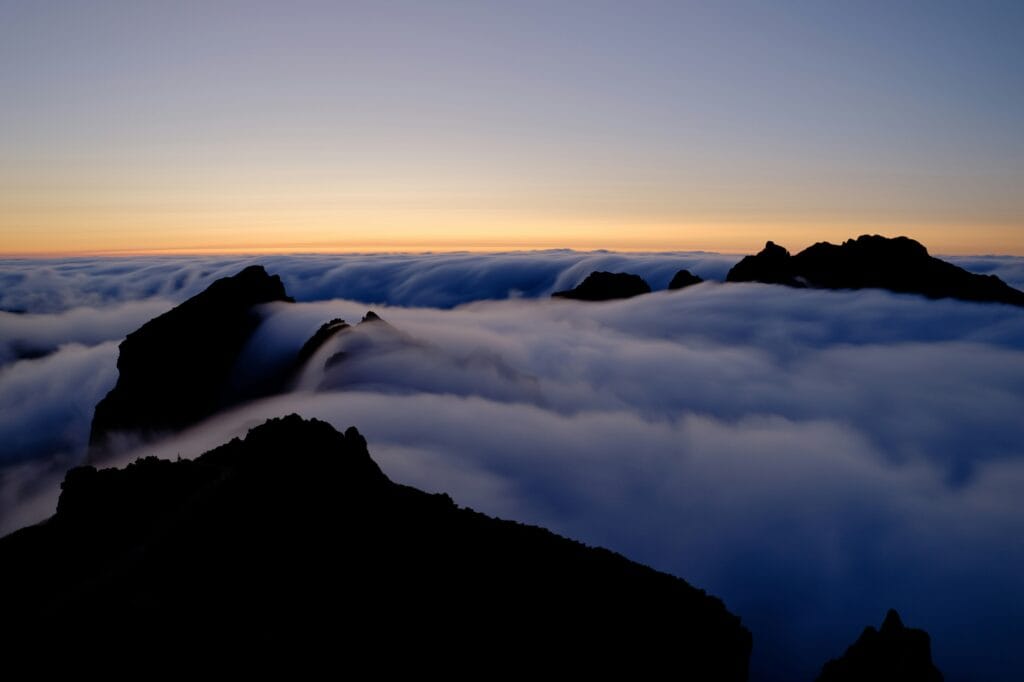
436,280
46,404
35,334
812,457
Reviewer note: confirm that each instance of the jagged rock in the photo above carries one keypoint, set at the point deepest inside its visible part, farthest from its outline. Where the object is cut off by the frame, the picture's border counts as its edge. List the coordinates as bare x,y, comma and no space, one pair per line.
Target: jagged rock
173,371
899,264
771,266
605,286
322,335
683,279
292,545
372,334
893,653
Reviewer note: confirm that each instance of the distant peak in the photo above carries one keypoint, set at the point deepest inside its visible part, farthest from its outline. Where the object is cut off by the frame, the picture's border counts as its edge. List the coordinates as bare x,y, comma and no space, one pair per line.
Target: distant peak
893,652
683,279
872,261
605,286
773,250
371,316
892,622
898,245
254,270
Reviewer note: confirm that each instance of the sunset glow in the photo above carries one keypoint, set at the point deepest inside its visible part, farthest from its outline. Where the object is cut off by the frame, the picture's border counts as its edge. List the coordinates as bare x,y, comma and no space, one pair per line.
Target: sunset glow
251,127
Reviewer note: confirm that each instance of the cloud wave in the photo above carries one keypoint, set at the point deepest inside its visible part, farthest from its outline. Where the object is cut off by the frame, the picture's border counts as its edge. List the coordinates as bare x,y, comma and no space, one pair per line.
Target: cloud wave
439,280
813,457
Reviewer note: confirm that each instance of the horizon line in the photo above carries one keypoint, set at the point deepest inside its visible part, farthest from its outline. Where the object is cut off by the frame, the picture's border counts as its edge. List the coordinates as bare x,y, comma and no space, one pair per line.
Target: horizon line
383,249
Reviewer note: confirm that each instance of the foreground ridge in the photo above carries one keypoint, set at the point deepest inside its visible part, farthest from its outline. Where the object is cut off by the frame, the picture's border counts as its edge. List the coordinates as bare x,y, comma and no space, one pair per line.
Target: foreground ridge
293,542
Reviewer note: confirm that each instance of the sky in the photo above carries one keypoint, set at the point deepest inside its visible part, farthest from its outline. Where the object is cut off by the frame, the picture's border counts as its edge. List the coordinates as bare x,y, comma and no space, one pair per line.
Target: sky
137,127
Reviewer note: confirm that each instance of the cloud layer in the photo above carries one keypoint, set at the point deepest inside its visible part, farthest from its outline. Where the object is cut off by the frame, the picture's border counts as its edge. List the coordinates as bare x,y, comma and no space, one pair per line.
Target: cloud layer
812,457
435,280
441,280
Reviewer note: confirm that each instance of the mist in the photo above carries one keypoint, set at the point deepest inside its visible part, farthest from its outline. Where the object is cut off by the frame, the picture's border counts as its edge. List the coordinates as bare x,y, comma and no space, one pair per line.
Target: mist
812,457
437,280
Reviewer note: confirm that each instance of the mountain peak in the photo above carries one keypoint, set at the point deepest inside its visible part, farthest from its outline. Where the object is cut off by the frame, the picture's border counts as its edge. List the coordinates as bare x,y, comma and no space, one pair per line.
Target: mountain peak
173,370
606,286
899,264
893,652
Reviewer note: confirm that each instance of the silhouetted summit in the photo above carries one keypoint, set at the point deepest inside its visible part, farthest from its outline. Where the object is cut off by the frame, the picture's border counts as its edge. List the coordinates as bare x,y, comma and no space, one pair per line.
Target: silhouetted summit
605,286
173,370
321,336
893,653
373,334
292,545
683,279
899,264
328,330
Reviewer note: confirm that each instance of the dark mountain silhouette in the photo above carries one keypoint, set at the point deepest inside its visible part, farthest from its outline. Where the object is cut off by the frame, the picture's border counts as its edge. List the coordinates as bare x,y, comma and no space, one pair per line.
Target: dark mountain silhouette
324,335
893,653
348,357
173,371
292,545
321,336
605,286
899,264
683,279
371,335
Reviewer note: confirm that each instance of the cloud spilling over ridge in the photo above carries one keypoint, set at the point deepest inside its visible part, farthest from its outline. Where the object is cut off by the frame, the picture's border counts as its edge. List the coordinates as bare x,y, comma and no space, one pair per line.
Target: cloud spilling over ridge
813,457
46,404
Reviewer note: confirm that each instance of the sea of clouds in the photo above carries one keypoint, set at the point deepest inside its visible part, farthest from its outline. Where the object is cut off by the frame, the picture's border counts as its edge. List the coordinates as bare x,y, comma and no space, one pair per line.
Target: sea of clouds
812,457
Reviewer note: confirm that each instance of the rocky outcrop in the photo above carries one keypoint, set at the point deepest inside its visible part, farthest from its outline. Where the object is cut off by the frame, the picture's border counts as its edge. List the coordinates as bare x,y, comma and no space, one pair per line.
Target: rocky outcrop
606,286
893,653
322,335
901,265
292,545
773,265
173,371
683,279
372,334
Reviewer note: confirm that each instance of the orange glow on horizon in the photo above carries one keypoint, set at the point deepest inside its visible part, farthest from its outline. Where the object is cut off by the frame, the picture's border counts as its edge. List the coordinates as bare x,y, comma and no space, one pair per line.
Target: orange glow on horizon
717,238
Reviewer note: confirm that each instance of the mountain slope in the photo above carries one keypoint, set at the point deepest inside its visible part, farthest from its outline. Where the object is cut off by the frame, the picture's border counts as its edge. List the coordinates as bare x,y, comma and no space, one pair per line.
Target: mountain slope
173,371
293,543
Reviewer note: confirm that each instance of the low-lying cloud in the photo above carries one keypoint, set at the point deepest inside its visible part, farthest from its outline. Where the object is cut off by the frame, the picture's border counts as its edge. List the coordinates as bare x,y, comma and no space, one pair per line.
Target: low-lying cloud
46,404
440,280
812,457
35,335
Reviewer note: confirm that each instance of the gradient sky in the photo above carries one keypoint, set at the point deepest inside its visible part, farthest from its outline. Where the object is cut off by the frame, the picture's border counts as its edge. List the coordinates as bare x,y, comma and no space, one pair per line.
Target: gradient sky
249,126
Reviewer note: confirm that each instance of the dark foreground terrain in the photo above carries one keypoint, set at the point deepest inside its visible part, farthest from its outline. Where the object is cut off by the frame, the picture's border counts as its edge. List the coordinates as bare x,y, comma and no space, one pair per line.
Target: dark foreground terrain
293,543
